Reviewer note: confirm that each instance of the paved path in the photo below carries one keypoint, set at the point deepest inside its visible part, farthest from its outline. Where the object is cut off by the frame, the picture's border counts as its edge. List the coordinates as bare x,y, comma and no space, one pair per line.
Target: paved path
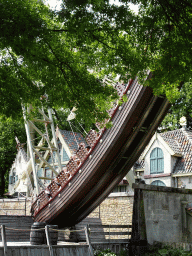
28,244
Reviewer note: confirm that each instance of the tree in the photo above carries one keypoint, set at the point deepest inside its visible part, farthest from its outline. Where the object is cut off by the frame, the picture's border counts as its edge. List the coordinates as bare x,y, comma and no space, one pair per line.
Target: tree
66,54
9,129
157,39
37,60
181,107
47,52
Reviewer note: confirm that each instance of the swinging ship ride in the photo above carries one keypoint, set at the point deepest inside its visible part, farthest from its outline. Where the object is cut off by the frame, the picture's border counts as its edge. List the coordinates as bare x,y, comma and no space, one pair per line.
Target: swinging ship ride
97,169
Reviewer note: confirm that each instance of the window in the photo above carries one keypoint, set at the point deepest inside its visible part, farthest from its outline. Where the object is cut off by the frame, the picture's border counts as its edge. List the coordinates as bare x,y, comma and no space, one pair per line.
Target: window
10,179
52,157
40,172
156,161
118,189
158,183
16,178
50,175
13,178
65,156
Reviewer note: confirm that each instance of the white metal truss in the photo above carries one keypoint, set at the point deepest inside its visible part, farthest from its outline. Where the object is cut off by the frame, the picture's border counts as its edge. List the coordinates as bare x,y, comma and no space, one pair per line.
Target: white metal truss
38,150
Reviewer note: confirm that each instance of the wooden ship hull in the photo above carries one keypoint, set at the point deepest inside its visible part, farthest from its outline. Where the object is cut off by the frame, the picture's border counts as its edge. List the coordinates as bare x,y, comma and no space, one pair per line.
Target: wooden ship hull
113,152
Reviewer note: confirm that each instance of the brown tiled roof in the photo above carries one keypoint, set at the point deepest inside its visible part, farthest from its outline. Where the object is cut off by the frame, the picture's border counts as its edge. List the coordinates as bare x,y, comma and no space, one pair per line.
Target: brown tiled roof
180,141
72,139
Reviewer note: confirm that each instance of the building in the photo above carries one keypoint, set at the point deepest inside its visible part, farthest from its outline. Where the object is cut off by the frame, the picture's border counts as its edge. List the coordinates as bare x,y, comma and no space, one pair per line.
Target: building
21,170
67,143
167,160
17,174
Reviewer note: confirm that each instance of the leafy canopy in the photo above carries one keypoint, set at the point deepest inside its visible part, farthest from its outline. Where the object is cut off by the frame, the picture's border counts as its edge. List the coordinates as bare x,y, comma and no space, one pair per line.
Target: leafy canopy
66,55
44,51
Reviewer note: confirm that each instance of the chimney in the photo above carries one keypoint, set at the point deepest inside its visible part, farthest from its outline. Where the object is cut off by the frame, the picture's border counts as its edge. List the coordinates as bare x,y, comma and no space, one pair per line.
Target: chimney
183,122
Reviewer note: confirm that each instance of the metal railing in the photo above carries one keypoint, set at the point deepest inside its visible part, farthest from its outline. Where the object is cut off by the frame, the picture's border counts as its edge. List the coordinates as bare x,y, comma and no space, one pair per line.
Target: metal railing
47,229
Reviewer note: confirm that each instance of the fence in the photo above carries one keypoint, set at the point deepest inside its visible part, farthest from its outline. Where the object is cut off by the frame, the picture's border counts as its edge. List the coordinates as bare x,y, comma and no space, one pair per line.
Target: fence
109,233
47,250
115,237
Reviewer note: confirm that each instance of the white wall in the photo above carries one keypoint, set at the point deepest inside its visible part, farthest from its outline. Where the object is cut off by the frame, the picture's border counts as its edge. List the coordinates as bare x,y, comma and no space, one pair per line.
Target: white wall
185,181
166,180
168,165
19,167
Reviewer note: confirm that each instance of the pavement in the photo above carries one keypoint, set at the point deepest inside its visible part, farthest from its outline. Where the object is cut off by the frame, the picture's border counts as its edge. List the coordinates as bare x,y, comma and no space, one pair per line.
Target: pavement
27,243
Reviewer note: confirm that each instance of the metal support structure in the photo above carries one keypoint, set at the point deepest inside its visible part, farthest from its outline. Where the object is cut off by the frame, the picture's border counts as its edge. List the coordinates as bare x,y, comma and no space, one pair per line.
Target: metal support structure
48,240
55,139
30,146
88,241
34,149
4,241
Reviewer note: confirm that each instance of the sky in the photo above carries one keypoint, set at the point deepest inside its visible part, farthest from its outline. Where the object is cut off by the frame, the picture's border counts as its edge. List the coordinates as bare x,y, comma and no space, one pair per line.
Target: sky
56,4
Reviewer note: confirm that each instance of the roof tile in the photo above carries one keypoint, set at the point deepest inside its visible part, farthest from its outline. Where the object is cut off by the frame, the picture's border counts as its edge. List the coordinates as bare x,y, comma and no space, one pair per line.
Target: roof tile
71,139
180,141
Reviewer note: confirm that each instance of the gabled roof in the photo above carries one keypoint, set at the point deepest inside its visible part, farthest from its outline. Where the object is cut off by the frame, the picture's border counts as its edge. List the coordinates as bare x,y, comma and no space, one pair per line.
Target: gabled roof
183,138
179,144
69,141
170,144
72,139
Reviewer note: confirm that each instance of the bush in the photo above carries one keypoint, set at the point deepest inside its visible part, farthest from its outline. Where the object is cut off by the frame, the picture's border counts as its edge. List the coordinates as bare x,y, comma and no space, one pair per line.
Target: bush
166,251
106,252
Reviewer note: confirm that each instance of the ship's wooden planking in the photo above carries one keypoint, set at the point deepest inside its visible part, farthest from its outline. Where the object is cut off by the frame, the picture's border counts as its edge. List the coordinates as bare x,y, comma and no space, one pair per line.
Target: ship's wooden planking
109,160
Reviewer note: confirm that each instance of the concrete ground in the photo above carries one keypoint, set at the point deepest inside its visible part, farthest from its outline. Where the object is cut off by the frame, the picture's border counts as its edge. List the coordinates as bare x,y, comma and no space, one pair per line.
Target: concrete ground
28,244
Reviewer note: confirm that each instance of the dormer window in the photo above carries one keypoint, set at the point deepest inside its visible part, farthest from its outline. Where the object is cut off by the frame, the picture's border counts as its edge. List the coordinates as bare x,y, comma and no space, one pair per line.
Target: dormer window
156,161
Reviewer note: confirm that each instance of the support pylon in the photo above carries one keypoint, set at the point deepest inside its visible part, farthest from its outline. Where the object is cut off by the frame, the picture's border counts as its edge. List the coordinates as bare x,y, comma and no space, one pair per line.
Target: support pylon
37,150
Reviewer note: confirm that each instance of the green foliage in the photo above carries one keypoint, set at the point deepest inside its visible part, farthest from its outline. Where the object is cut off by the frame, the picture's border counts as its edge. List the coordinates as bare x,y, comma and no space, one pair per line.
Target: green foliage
43,51
40,58
66,54
181,107
166,251
9,128
106,252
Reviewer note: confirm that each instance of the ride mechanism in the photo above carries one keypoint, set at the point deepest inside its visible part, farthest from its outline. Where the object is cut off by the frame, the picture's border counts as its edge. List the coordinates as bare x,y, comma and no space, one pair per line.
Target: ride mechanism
37,152
48,137
95,171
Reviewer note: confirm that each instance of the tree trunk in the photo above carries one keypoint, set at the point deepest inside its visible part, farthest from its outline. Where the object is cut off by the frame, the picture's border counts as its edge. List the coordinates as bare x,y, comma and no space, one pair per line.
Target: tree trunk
2,182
